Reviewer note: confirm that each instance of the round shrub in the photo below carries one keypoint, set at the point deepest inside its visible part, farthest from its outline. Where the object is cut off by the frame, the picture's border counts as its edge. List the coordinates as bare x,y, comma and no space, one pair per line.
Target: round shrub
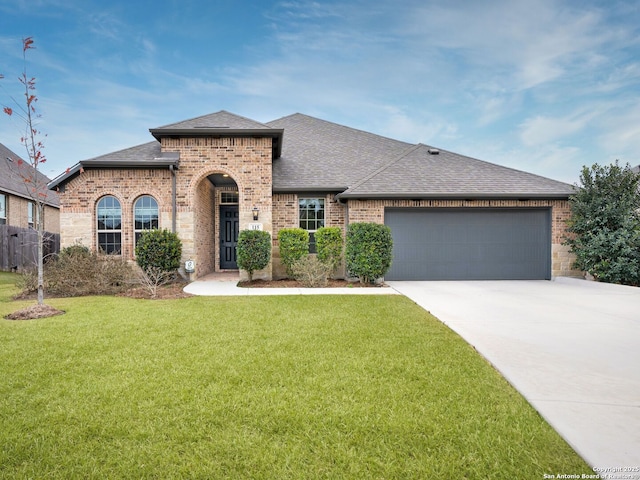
368,251
254,250
158,249
294,244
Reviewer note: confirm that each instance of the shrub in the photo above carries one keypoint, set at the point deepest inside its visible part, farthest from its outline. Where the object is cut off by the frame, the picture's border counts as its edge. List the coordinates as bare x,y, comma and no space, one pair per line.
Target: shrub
605,224
294,244
254,250
77,271
311,272
368,251
329,245
160,249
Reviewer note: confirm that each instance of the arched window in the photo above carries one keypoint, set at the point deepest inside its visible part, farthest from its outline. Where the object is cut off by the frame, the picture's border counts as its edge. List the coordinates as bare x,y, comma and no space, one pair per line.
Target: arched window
145,215
109,215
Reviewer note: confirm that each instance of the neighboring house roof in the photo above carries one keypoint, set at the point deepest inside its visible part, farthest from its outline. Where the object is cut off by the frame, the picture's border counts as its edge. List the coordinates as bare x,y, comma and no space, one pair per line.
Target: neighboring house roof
17,178
315,155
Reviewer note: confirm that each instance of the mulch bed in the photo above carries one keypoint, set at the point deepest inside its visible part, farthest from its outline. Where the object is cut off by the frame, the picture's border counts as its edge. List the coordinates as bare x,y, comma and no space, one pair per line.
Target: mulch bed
33,312
288,283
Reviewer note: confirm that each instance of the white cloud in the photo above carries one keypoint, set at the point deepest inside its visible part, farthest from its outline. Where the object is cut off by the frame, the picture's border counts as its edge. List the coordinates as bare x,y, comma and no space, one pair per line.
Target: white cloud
540,129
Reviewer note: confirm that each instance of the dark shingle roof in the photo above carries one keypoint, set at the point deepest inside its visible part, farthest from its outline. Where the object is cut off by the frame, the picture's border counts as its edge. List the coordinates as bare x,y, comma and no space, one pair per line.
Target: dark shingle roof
145,153
140,156
324,155
426,172
221,124
317,155
16,178
221,119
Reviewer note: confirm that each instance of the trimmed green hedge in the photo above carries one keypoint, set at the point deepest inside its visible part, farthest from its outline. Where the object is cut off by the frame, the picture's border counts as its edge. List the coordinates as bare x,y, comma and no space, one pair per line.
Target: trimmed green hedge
254,250
329,245
369,251
294,244
159,249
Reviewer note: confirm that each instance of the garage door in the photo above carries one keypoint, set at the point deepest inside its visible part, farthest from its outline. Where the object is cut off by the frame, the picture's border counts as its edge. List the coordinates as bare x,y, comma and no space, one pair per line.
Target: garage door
470,244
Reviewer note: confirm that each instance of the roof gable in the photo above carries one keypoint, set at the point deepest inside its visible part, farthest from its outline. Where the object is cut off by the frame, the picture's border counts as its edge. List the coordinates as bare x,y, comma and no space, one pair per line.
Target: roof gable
221,124
217,120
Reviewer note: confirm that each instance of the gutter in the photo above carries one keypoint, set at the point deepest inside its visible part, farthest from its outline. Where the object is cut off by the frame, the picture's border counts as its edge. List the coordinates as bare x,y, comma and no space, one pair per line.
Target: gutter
171,161
455,196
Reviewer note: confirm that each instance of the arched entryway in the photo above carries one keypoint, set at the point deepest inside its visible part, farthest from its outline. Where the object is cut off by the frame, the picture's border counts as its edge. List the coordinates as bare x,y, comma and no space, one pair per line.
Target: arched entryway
217,223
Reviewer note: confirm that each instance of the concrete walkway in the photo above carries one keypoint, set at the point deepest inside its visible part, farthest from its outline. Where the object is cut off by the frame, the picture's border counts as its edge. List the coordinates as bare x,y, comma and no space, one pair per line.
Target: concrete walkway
225,284
570,346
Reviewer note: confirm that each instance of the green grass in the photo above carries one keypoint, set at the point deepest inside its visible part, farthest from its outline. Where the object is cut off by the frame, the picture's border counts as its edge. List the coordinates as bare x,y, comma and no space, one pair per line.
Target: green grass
258,387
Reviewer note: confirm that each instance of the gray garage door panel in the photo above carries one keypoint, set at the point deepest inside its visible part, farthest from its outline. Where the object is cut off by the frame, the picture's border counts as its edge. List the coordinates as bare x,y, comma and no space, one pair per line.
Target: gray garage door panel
470,244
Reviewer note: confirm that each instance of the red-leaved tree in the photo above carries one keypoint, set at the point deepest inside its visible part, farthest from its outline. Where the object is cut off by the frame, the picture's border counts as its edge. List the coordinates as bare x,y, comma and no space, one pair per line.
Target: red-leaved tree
27,114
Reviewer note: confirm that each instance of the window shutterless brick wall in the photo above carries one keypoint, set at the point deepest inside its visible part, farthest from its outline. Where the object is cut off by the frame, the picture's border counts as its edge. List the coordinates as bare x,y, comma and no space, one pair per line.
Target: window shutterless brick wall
286,215
81,194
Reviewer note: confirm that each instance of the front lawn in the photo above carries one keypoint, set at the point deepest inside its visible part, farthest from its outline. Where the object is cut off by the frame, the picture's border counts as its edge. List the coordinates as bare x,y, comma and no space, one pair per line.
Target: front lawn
258,387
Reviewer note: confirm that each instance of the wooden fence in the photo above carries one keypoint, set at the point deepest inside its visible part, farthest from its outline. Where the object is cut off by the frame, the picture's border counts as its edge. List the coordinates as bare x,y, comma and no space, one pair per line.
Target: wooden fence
19,248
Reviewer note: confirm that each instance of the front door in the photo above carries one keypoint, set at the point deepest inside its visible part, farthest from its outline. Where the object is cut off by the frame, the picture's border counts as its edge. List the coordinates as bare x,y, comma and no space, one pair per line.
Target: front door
229,228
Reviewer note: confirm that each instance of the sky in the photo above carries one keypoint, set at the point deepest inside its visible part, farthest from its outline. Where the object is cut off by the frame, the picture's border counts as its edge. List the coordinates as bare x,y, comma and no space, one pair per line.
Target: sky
545,86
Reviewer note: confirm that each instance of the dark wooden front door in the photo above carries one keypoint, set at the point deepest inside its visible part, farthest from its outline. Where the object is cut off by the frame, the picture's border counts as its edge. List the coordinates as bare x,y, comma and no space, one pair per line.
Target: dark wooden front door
229,227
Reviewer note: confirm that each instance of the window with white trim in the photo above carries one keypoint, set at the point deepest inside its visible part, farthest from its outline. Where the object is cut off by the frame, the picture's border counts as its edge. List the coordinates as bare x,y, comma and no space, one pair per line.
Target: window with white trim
311,213
31,208
145,215
109,225
3,209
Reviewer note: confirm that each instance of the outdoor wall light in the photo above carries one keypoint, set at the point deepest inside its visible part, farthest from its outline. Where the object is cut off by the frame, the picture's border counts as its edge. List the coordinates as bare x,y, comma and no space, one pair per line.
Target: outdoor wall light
255,211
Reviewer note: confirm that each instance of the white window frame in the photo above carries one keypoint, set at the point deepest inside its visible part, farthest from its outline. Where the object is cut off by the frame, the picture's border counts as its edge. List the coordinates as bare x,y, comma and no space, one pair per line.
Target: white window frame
31,208
3,209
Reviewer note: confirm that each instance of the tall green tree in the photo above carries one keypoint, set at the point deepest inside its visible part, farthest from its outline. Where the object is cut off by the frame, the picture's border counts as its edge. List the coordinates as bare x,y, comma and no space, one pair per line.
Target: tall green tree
605,224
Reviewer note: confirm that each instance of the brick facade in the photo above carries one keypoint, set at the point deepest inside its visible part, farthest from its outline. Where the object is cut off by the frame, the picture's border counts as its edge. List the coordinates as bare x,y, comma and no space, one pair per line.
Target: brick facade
17,213
80,197
248,161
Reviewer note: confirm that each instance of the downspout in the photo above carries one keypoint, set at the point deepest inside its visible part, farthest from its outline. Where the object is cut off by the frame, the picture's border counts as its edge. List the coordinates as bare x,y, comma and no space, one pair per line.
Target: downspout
346,210
346,224
174,201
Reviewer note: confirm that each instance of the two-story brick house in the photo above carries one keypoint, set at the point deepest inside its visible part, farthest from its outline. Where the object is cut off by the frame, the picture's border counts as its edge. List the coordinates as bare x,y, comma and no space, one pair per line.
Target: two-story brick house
452,216
20,187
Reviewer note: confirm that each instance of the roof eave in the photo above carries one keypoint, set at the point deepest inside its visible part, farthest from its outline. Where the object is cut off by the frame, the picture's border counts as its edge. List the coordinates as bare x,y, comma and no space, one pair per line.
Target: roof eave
308,189
156,163
29,197
77,168
275,133
454,196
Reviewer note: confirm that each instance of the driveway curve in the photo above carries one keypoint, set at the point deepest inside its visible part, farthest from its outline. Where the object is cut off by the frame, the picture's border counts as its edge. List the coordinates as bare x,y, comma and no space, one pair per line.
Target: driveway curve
570,346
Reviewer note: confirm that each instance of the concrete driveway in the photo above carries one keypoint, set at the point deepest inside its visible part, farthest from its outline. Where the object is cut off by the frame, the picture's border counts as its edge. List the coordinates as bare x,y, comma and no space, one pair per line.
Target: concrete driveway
570,346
